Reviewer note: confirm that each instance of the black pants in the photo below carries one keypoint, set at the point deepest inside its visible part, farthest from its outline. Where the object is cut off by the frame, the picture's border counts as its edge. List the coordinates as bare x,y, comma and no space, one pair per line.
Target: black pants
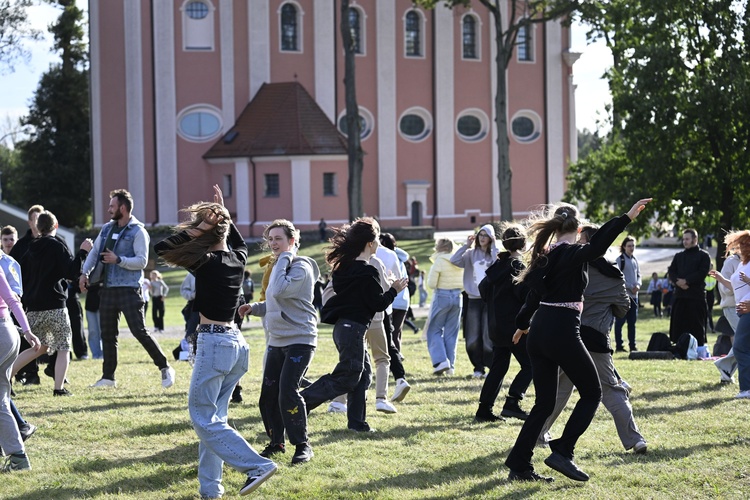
710,300
157,312
688,315
397,368
75,312
498,370
554,342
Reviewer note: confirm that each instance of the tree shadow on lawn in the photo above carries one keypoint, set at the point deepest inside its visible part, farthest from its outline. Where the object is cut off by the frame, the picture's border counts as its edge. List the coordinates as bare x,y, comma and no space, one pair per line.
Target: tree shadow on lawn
118,402
661,454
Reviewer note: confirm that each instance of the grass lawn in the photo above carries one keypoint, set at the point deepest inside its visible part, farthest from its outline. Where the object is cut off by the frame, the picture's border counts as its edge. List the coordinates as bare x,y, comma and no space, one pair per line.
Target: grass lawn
136,441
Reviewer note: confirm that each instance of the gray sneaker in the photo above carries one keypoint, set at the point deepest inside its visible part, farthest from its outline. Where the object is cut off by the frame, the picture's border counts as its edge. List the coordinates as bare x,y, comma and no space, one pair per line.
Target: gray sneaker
14,463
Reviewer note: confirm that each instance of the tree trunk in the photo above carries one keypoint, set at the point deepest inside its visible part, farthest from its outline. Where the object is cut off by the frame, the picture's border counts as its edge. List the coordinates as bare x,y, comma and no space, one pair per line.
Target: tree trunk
354,147
504,171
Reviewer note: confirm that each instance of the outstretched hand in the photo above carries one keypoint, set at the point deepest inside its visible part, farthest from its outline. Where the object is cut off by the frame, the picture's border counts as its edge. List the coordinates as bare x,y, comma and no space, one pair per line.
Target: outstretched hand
638,208
218,195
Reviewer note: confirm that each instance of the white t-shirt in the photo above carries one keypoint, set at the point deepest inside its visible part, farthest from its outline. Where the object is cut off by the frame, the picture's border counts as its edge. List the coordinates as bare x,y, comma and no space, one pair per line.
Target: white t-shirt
741,289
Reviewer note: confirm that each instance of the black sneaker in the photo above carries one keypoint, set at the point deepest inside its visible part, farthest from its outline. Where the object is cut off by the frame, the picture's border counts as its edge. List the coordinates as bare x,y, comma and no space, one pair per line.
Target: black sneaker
302,454
512,410
237,394
256,479
61,392
481,418
620,349
528,475
26,431
272,449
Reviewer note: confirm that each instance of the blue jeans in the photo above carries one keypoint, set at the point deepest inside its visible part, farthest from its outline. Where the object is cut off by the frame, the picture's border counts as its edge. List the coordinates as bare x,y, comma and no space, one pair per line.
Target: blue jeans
741,347
95,334
442,330
631,317
220,361
352,375
281,405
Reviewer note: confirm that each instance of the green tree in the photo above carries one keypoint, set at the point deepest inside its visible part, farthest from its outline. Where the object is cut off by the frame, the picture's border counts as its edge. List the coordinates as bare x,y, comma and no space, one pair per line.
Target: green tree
54,161
681,92
15,30
353,123
522,14
588,142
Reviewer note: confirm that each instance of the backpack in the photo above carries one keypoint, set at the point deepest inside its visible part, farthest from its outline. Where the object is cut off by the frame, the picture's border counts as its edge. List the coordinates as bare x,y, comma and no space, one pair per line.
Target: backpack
686,347
723,345
660,342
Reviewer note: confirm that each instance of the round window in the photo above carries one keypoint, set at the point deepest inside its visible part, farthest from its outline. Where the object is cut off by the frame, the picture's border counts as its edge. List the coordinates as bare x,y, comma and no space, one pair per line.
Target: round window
199,125
197,10
365,123
472,125
525,126
415,124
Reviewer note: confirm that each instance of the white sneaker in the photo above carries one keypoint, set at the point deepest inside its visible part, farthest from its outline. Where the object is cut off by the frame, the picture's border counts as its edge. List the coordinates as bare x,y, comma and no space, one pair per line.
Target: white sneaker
167,377
402,388
442,368
384,406
104,382
743,395
640,447
450,372
477,374
336,407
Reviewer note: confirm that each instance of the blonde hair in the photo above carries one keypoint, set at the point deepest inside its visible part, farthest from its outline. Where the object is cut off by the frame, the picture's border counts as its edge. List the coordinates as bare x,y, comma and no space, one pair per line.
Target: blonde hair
156,274
444,245
733,239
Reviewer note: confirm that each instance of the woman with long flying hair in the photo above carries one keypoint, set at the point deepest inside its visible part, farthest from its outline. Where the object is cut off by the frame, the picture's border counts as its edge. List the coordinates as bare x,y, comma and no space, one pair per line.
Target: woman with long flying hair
557,276
359,295
209,246
291,323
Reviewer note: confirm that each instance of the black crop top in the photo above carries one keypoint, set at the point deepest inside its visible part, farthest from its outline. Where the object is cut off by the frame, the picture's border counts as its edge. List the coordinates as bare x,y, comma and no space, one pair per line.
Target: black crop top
218,275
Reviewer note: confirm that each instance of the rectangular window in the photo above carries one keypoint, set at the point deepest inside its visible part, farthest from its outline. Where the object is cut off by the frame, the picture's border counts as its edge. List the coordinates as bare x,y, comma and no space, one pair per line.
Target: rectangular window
329,184
226,186
523,41
271,187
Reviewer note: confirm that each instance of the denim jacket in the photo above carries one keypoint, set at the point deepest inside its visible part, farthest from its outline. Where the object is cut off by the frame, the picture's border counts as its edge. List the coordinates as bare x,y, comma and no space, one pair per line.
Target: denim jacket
131,247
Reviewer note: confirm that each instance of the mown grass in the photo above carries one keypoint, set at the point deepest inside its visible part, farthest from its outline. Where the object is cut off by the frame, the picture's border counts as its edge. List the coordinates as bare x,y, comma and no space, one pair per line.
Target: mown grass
136,441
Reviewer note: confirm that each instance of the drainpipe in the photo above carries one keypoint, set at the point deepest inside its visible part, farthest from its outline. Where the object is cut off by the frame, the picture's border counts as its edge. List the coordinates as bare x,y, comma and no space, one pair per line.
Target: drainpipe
435,115
546,115
254,217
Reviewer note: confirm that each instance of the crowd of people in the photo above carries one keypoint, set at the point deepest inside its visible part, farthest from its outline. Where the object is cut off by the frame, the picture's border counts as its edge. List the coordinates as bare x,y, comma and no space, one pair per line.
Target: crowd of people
508,304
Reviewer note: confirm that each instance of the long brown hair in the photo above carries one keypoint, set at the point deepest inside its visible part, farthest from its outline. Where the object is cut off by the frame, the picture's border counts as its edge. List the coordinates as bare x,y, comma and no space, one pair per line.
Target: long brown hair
555,219
189,253
349,240
733,240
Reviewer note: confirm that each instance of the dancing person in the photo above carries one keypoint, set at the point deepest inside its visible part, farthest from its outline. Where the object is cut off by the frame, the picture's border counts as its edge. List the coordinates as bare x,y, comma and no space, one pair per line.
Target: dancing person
739,241
159,291
47,265
291,320
122,248
475,262
557,276
359,295
202,246
628,265
606,297
727,364
444,318
688,271
504,297
11,440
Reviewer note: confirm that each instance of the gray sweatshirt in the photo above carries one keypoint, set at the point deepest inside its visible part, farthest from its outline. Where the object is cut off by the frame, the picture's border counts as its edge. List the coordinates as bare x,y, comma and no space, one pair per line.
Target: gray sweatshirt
475,262
289,316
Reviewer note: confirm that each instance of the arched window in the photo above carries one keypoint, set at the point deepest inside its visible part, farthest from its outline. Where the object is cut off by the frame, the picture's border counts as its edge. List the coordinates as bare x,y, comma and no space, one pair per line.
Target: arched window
355,27
470,37
524,45
413,34
197,25
289,28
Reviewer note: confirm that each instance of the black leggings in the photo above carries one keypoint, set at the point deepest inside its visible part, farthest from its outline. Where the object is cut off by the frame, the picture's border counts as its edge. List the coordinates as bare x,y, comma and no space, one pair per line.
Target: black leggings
554,341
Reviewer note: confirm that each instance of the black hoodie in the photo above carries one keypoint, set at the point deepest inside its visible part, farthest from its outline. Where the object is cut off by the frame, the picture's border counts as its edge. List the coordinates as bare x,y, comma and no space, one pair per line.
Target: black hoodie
359,294
504,297
45,267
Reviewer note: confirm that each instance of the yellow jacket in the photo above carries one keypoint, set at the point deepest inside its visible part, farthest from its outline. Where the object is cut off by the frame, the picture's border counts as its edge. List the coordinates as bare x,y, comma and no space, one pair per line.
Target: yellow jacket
443,274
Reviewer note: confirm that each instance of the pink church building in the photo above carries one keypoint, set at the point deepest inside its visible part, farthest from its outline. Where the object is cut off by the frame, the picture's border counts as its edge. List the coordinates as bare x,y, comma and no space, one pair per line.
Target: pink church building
249,94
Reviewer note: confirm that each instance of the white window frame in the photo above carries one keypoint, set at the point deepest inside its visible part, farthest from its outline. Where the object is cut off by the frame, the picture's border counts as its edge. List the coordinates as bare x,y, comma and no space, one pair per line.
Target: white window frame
202,108
365,114
535,118
300,28
483,119
477,36
422,28
428,123
532,51
209,24
362,29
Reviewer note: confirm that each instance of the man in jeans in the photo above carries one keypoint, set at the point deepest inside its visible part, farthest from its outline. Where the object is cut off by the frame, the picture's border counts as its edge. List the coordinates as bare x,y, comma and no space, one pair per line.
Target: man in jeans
122,248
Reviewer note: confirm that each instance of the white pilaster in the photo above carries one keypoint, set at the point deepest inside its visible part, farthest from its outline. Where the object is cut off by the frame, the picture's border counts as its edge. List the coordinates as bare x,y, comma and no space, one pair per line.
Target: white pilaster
97,192
572,127
134,103
260,44
301,189
445,154
554,118
226,30
243,192
165,111
387,118
325,54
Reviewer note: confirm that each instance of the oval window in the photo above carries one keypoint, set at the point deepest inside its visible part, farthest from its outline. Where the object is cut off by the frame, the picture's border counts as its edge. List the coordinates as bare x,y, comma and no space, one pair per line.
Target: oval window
199,125
363,126
197,10
415,124
525,126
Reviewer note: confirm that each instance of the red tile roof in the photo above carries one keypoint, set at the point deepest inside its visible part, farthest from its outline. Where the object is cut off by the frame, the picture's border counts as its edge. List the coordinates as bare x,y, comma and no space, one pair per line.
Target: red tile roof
281,120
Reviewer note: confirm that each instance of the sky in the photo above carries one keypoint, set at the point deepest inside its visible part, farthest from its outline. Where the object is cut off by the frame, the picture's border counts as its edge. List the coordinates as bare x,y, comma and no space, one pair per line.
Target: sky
17,88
